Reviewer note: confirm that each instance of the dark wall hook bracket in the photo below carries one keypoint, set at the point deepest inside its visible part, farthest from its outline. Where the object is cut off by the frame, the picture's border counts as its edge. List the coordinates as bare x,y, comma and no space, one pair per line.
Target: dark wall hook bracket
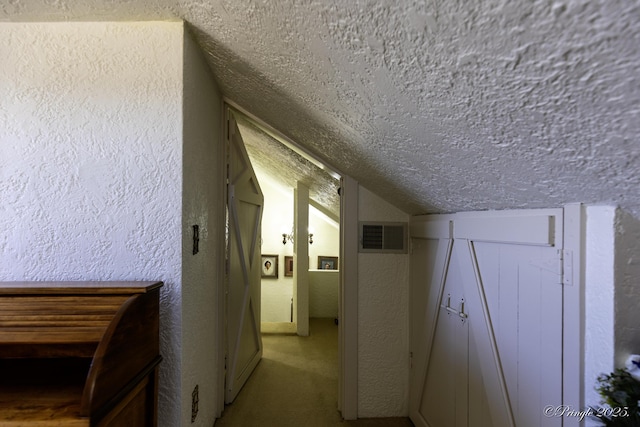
196,239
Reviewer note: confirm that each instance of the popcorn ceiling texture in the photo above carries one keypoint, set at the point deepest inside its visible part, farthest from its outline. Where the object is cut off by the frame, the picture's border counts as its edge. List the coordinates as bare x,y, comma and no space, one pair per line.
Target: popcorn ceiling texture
287,167
436,106
73,99
448,106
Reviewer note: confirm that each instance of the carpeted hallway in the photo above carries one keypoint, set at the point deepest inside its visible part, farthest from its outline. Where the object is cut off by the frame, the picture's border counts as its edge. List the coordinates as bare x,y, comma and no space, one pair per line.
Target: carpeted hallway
296,384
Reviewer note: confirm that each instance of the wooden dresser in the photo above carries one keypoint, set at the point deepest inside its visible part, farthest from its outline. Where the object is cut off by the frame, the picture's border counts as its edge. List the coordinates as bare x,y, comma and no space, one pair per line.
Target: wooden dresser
79,353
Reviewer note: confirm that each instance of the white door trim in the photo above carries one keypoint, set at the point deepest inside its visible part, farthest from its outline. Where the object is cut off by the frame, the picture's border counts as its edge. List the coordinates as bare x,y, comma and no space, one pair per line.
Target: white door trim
348,345
221,276
504,226
243,274
573,298
348,331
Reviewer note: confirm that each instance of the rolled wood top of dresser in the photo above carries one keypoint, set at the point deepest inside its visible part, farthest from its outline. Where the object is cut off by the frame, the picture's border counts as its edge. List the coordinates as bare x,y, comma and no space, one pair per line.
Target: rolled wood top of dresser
78,288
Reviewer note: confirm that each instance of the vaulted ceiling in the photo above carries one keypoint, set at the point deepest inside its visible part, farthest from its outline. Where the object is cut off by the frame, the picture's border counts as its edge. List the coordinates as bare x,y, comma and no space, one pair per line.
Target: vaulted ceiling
287,168
435,105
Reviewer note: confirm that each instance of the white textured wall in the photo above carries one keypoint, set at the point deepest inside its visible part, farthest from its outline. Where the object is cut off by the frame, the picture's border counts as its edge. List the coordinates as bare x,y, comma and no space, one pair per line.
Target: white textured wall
278,213
612,296
383,321
324,286
203,204
599,297
326,237
627,290
91,162
324,292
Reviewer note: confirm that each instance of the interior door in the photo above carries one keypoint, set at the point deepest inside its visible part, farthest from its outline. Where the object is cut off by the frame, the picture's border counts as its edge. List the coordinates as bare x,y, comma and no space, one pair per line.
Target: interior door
487,319
245,202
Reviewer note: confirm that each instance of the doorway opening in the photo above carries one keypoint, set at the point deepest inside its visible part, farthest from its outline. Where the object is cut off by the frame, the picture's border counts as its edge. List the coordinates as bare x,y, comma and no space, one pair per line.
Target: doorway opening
300,248
300,230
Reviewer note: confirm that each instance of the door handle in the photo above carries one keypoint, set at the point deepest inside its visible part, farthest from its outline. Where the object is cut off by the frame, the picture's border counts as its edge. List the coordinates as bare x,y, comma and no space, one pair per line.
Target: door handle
461,313
450,309
448,306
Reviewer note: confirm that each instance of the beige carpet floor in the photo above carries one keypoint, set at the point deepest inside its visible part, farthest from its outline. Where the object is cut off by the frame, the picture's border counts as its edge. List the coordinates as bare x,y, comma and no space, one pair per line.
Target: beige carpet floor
296,385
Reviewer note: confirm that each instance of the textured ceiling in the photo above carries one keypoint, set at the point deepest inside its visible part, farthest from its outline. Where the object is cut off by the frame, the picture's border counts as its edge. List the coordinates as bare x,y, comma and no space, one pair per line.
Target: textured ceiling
287,167
437,106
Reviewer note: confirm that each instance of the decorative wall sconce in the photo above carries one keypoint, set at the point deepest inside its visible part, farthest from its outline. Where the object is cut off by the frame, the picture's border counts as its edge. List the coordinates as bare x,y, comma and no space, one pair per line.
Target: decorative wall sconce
286,237
291,236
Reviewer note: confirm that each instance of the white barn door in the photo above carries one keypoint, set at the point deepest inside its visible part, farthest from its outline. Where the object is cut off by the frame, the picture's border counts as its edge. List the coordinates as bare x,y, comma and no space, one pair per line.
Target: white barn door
245,201
487,318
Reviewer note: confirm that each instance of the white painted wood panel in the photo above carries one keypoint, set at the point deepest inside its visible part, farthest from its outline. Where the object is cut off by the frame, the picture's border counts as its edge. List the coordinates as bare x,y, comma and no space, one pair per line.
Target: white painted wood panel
429,274
245,200
483,333
531,230
525,305
573,304
501,365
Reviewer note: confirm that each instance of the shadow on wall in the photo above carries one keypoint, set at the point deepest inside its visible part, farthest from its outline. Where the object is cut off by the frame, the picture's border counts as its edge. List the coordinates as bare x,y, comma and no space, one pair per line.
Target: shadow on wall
627,285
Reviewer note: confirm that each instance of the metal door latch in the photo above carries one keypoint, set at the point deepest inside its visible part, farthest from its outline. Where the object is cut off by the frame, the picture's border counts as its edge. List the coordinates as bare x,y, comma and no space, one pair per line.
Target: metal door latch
452,310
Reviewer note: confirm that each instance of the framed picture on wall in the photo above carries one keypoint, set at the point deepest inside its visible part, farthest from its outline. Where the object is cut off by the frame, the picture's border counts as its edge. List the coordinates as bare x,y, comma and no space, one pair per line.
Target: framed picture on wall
288,266
327,262
270,266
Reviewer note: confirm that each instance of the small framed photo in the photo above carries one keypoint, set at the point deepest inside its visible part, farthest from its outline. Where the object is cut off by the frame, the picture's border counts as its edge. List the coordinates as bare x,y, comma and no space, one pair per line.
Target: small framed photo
270,266
288,266
327,263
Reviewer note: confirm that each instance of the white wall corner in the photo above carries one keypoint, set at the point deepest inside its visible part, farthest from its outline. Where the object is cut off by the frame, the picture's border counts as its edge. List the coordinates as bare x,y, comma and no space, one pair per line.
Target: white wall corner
301,260
203,182
599,297
348,391
627,286
383,324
